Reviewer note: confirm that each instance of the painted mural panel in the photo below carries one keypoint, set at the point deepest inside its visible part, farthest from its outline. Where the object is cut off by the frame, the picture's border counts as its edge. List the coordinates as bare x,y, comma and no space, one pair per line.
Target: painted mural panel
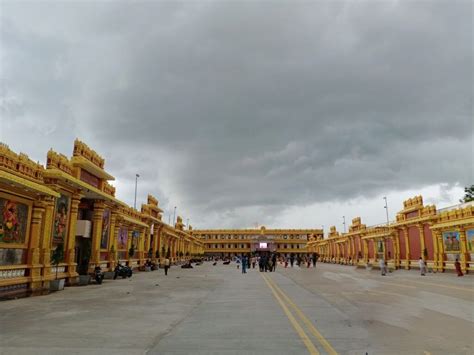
61,219
14,220
470,242
122,238
104,237
451,242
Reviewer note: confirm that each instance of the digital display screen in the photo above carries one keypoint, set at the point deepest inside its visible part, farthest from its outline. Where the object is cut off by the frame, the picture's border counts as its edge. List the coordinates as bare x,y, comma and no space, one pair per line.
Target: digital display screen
263,245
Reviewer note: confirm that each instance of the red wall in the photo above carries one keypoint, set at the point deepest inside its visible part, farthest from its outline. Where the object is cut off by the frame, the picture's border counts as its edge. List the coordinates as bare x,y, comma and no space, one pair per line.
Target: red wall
356,246
429,242
415,247
389,247
371,248
401,238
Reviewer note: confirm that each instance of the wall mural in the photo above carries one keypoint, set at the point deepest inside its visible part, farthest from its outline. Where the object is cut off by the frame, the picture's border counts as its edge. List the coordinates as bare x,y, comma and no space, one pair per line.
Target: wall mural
451,242
104,237
60,219
470,241
14,217
122,238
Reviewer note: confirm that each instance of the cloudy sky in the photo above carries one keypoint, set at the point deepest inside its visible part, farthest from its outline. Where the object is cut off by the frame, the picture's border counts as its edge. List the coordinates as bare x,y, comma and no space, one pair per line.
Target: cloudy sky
282,113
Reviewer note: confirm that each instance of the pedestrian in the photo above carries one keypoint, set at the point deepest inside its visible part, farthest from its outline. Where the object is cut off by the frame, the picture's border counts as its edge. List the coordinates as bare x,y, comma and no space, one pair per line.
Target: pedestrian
422,264
274,261
286,262
244,264
314,260
238,262
167,265
292,260
254,261
382,266
457,265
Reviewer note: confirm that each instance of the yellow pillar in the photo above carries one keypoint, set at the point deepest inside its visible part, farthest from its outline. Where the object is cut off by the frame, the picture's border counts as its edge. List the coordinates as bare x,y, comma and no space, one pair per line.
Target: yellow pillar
422,241
365,244
435,250
70,242
33,258
97,217
114,231
407,248
46,241
396,247
439,242
464,255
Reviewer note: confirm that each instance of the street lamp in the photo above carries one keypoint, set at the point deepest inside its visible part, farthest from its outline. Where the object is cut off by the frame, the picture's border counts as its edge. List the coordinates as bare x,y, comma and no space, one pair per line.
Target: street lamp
174,215
344,223
322,225
136,184
386,209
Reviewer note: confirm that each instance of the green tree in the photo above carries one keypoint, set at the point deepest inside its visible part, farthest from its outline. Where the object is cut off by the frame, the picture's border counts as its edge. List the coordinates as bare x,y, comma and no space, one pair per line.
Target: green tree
469,194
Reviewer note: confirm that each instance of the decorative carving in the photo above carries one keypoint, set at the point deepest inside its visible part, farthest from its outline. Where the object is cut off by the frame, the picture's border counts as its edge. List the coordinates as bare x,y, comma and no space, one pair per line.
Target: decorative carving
20,164
81,149
59,161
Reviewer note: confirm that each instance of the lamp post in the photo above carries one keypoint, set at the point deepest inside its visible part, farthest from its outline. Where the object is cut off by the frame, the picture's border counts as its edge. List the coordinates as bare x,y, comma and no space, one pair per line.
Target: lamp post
174,215
136,184
386,209
344,223
322,225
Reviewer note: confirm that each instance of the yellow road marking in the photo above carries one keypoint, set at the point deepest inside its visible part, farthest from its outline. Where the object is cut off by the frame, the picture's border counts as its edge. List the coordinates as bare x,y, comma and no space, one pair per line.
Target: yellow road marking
309,345
305,320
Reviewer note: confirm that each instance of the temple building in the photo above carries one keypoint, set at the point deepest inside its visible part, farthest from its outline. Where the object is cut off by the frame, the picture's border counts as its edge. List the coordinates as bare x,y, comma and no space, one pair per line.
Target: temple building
236,242
71,206
437,236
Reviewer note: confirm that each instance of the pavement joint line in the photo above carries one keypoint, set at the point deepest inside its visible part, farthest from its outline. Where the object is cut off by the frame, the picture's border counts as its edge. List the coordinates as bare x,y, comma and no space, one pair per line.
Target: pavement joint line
305,319
447,286
299,329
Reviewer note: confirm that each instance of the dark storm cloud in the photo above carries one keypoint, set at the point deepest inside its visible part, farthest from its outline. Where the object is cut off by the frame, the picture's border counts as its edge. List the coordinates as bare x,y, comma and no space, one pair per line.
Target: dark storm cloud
249,105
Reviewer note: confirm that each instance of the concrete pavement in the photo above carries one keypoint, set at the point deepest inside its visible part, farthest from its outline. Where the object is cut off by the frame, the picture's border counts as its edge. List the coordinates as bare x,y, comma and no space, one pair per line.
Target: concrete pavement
217,310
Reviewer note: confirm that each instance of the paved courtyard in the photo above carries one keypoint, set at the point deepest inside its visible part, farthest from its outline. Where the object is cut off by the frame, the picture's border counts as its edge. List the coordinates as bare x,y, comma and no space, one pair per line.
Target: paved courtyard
217,310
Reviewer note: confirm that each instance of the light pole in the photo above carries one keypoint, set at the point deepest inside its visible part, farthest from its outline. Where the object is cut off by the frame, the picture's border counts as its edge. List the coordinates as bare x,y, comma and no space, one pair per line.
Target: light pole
386,209
136,184
174,215
344,223
322,225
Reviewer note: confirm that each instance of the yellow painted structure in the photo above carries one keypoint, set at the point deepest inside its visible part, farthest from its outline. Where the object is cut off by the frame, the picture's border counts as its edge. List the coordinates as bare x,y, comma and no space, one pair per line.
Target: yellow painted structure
71,203
437,236
232,242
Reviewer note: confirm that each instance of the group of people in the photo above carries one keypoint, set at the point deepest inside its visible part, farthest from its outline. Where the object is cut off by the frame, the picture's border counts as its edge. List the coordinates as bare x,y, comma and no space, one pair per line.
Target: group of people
268,262
422,265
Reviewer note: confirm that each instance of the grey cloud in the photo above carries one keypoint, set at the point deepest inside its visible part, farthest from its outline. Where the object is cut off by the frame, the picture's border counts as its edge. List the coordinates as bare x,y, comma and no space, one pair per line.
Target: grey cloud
232,109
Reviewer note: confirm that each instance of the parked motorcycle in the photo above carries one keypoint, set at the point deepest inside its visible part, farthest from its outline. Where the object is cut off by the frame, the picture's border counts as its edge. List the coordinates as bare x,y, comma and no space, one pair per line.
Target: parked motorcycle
98,275
124,271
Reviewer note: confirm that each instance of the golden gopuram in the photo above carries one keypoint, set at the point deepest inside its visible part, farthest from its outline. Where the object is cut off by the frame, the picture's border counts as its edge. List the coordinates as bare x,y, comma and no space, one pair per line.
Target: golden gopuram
71,206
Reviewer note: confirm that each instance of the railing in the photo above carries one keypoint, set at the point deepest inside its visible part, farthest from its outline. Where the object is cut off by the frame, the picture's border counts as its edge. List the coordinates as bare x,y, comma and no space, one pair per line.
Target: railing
12,273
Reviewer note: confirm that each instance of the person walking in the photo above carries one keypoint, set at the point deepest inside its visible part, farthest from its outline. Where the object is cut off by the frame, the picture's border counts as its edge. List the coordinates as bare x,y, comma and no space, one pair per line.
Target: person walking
274,261
254,261
167,265
422,264
292,260
457,265
382,266
244,264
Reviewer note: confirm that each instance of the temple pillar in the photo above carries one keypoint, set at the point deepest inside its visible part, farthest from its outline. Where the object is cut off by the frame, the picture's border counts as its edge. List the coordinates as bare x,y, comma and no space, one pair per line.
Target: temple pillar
33,256
396,247
365,245
422,241
464,254
114,230
407,248
440,246
45,243
97,218
70,243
